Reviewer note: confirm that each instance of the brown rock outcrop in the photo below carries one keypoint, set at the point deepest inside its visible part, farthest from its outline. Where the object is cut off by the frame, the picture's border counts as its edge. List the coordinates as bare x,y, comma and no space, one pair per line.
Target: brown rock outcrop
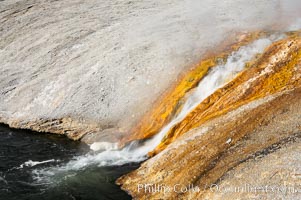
274,176
202,156
250,116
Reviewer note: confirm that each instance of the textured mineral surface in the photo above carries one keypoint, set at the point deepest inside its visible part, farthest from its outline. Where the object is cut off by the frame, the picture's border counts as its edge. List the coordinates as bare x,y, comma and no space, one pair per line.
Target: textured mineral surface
75,67
252,116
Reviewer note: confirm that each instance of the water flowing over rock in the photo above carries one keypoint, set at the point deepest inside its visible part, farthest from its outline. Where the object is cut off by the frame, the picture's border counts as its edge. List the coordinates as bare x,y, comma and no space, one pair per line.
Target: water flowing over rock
252,115
210,94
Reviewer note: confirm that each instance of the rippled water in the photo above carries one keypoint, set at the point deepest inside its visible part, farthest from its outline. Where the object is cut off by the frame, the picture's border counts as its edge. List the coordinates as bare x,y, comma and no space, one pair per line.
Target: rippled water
23,152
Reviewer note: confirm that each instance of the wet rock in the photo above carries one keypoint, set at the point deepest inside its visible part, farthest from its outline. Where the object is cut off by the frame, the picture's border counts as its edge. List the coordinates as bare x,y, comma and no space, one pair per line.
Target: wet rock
277,69
252,115
215,158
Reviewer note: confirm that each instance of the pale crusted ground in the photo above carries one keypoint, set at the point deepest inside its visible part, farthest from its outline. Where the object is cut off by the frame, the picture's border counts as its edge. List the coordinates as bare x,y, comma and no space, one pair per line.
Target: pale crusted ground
107,61
274,176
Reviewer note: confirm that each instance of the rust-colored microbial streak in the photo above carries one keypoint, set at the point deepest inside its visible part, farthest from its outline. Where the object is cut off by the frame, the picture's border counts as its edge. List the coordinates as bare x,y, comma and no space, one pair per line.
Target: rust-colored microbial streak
277,69
202,156
169,104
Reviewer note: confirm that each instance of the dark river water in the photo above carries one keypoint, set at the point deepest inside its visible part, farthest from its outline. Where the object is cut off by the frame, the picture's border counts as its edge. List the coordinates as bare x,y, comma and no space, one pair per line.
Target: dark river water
23,152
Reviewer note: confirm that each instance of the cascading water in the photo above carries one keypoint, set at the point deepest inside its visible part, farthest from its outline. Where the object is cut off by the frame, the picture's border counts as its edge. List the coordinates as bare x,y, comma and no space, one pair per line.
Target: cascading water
108,154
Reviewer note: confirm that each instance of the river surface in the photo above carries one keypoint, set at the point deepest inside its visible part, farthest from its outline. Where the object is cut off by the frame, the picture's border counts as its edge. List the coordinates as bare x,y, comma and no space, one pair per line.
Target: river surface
24,152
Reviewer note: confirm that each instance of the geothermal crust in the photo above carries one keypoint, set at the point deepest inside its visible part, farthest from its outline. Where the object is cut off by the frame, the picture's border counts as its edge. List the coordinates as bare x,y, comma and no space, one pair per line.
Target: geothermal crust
80,67
247,120
100,71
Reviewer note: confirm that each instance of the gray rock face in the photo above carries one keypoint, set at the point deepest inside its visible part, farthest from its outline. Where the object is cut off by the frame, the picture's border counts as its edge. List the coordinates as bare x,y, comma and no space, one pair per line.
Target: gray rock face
107,61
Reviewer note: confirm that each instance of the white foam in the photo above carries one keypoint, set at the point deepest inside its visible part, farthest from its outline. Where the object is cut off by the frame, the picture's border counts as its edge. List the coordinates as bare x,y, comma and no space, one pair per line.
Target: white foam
98,146
3,180
31,163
